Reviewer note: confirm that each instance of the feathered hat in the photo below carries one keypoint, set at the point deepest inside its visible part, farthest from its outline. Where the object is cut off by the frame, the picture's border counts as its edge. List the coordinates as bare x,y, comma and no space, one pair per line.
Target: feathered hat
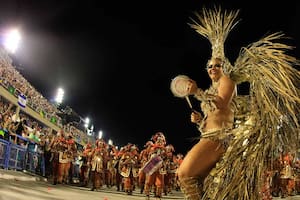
215,25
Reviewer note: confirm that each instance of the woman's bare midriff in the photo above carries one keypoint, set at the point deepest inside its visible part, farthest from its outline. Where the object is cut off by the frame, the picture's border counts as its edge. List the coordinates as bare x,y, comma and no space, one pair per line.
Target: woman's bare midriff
218,119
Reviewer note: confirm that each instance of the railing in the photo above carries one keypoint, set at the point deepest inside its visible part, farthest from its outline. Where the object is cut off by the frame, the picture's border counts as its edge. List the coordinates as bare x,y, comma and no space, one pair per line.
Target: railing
22,157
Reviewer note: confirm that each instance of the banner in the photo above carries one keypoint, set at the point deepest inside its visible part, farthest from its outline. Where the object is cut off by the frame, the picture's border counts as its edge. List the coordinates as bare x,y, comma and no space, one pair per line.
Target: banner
22,100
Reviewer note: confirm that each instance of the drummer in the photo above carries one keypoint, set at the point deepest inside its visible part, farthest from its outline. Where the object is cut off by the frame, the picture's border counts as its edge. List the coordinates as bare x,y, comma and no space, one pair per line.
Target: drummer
157,177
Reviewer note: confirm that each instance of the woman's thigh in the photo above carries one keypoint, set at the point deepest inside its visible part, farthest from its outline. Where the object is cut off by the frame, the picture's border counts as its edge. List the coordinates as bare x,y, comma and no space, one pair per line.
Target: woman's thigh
201,158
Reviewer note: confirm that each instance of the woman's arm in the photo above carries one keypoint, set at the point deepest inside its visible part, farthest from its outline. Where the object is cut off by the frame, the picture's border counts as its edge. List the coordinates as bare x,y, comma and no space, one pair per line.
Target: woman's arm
226,90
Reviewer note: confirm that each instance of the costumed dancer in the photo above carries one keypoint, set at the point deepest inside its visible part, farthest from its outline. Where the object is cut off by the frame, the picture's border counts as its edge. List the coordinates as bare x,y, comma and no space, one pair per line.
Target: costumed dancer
110,169
129,167
86,164
64,161
239,152
116,161
144,155
99,156
56,146
155,168
71,154
171,169
287,184
177,160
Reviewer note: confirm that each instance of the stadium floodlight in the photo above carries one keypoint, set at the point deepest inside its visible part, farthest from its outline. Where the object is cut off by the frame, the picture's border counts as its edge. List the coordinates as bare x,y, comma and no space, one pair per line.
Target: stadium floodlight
11,40
86,122
59,96
100,134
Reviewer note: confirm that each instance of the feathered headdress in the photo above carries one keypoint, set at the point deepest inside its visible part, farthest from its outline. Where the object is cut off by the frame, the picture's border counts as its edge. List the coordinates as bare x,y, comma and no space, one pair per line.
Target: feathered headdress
215,25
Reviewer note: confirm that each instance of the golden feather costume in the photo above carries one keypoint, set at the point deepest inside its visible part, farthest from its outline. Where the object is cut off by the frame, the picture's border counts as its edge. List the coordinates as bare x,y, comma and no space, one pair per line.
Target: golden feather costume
266,119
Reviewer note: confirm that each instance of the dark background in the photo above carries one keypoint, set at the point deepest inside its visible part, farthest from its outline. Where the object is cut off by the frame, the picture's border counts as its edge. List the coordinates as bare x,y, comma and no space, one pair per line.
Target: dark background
115,59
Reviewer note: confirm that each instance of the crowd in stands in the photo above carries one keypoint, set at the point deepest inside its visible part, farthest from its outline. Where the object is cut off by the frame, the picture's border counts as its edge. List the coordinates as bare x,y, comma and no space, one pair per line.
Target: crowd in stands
14,81
16,84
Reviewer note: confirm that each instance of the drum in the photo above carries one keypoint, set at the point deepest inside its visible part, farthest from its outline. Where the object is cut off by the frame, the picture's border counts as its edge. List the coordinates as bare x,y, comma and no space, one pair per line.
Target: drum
179,85
152,165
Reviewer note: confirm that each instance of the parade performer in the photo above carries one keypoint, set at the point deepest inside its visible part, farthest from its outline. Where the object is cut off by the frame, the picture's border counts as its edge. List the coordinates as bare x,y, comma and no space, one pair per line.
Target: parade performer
86,164
144,155
177,160
155,168
98,163
171,169
64,161
287,185
239,133
129,167
118,155
71,154
56,145
110,174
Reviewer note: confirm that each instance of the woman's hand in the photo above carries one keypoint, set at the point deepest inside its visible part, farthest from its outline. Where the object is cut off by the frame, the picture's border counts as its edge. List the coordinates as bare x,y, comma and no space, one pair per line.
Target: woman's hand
191,87
196,117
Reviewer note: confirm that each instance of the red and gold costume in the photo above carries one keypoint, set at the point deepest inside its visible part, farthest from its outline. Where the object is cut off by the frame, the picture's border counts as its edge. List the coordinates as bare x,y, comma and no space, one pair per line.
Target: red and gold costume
118,178
155,177
144,155
129,167
171,169
98,163
86,164
110,173
71,153
287,176
57,146
64,162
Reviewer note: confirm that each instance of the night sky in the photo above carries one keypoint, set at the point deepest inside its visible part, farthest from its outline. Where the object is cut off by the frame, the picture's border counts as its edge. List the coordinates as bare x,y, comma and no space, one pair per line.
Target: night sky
115,59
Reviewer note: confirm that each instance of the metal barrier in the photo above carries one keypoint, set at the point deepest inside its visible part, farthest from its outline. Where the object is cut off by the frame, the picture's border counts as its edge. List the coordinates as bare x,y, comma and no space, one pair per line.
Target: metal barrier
34,161
4,145
17,157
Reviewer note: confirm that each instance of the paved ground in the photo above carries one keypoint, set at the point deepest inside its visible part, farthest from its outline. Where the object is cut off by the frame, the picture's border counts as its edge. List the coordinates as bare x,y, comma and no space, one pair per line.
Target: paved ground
19,186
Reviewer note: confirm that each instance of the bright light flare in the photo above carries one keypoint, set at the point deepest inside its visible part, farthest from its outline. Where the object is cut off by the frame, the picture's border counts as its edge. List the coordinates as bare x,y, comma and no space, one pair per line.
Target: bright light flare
87,120
100,134
59,95
12,40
